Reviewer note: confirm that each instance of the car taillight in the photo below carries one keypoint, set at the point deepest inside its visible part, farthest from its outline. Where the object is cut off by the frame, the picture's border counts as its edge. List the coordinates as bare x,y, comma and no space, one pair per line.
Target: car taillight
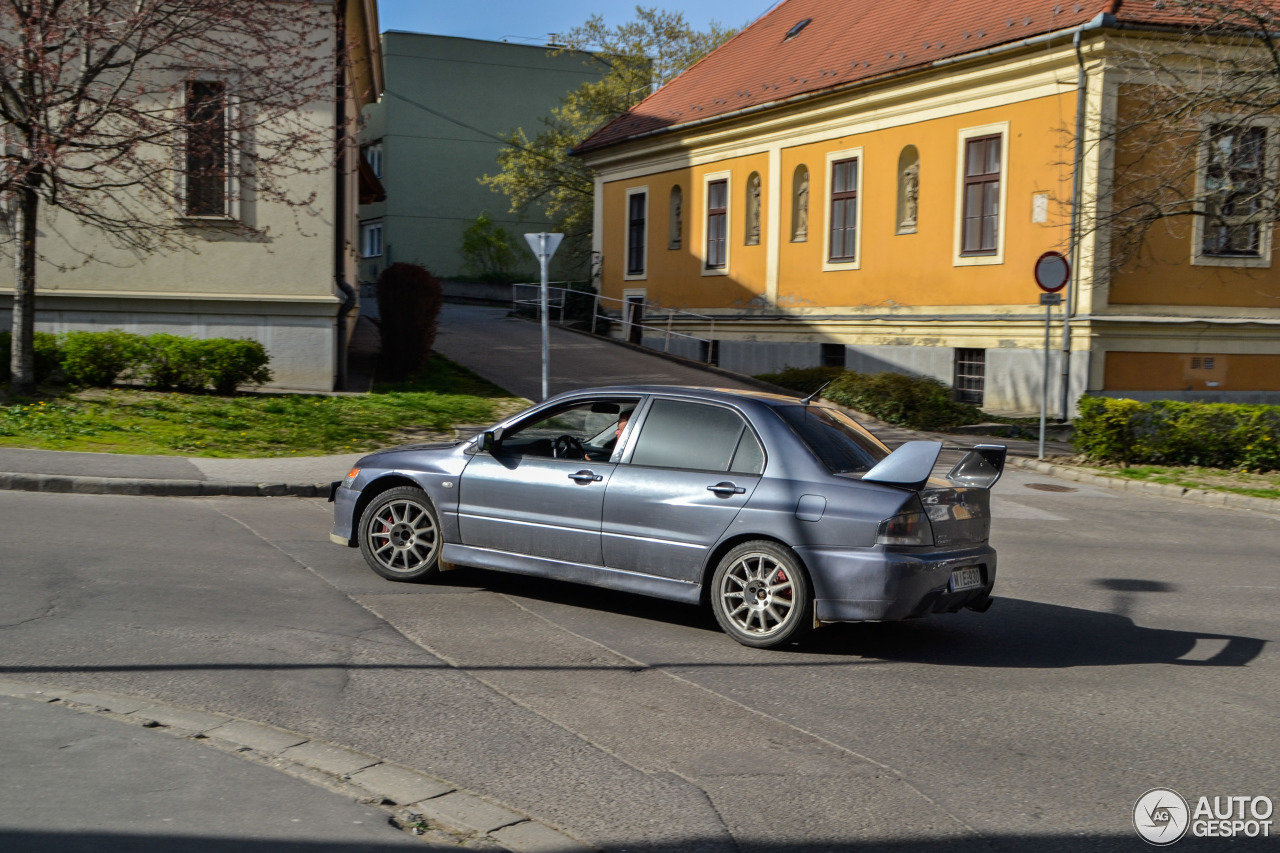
906,528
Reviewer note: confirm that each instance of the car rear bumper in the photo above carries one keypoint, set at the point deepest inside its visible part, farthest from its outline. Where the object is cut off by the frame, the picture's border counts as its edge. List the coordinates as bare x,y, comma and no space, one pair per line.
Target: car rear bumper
873,584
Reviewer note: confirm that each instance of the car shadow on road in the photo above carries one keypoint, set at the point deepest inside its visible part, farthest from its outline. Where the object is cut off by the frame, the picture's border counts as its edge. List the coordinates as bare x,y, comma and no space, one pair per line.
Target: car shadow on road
1015,633
1021,634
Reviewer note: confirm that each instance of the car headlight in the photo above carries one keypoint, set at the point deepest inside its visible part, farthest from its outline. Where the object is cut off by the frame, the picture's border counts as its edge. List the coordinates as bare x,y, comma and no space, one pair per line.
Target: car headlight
350,479
910,527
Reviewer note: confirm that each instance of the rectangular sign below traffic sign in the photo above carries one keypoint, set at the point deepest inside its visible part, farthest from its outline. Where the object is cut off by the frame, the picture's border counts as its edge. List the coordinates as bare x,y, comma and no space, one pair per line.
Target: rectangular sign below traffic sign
1051,299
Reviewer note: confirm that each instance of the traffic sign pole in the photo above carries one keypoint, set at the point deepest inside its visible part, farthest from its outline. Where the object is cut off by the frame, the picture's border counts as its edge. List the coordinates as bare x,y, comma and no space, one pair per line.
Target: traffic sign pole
1048,300
544,245
1052,272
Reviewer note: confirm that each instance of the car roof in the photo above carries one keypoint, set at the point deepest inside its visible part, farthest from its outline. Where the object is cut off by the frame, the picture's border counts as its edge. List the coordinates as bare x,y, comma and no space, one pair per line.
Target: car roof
722,395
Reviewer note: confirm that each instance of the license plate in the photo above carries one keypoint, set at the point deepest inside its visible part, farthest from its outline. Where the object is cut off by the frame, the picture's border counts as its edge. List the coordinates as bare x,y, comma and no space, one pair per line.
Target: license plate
967,578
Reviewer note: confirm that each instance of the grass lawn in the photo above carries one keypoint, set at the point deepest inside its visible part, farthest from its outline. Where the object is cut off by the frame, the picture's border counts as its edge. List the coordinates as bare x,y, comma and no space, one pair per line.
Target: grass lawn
1264,485
126,420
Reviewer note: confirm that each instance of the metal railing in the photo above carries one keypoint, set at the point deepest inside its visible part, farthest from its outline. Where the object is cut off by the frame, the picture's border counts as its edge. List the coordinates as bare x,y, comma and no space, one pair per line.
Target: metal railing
635,316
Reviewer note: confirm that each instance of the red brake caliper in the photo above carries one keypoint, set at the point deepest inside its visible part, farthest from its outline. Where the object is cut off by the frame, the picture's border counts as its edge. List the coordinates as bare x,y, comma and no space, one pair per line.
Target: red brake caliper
782,578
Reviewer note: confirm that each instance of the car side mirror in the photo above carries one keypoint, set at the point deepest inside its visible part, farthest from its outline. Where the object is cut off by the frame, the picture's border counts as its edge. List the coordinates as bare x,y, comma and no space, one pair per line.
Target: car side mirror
490,440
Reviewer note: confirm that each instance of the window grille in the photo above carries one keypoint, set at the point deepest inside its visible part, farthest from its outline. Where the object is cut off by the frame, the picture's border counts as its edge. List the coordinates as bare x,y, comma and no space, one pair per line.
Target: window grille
971,367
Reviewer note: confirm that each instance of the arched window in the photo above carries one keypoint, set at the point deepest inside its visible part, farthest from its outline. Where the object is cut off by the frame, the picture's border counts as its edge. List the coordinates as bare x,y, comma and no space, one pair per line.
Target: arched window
752,237
908,190
800,204
675,218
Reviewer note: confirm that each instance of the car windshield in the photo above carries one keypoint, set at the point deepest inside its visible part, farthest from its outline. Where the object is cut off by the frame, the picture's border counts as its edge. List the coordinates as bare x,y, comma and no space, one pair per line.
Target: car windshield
839,443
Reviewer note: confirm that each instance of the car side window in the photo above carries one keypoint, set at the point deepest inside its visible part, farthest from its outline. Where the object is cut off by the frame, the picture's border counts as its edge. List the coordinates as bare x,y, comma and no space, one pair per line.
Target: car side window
580,430
679,434
748,456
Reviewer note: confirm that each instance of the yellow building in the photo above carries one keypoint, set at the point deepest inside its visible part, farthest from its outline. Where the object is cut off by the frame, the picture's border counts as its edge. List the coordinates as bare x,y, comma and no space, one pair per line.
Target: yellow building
871,185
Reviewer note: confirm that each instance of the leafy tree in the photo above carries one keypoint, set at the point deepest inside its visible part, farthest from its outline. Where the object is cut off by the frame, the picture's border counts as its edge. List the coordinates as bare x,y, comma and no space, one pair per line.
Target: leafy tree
638,56
130,116
486,250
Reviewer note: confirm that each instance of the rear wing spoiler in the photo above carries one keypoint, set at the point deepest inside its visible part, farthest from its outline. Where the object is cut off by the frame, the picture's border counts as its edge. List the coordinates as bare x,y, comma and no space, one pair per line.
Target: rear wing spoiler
981,467
910,466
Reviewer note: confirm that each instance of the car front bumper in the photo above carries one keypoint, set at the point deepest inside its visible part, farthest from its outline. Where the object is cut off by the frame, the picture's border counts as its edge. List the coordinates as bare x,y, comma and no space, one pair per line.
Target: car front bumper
876,584
344,505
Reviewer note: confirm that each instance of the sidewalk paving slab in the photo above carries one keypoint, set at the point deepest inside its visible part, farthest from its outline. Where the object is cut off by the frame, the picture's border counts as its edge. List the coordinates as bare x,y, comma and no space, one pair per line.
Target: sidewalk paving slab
399,785
467,811
337,760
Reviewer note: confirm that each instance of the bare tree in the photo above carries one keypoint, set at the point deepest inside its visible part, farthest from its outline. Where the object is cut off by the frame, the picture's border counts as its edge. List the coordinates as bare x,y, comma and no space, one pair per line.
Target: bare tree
151,120
1196,133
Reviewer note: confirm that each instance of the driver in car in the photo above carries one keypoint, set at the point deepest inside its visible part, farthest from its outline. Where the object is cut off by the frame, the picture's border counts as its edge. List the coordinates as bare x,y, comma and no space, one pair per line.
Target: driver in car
604,453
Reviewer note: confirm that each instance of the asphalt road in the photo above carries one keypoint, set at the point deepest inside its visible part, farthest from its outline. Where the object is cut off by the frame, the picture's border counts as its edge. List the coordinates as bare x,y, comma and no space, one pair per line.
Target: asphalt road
1132,645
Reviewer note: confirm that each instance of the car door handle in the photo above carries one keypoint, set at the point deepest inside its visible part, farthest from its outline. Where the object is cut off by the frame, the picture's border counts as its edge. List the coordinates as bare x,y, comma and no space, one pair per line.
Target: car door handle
584,476
726,489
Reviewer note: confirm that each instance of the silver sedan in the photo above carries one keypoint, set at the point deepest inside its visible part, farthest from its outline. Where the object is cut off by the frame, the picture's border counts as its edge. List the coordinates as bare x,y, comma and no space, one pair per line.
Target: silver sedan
778,513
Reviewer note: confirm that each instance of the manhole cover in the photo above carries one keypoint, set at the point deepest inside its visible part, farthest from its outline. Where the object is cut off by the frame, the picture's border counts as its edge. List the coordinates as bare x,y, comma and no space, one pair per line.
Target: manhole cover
1050,487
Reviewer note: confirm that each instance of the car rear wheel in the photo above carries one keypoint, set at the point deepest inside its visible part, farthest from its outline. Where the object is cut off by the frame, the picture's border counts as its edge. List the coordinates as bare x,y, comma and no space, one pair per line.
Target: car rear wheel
400,535
760,595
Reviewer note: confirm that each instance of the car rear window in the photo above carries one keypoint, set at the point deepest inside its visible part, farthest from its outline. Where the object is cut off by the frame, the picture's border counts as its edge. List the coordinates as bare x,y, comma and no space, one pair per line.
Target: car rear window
838,442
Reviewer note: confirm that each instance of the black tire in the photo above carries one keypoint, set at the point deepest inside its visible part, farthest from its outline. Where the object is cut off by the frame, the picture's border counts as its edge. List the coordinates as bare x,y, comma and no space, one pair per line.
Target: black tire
761,596
399,535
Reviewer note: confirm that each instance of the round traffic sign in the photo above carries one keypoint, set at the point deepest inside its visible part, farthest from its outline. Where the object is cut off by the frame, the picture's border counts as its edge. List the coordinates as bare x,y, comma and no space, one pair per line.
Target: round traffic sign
1052,272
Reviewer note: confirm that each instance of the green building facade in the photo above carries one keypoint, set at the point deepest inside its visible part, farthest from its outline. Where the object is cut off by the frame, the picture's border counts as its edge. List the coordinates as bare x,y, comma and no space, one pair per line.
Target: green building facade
435,133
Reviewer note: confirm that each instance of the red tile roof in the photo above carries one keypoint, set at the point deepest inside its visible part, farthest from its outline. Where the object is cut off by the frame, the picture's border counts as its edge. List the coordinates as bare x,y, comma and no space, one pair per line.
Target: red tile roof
850,41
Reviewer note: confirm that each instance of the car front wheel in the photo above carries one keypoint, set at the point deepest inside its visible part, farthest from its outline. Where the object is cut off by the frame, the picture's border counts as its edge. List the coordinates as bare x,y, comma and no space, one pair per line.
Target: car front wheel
400,535
760,595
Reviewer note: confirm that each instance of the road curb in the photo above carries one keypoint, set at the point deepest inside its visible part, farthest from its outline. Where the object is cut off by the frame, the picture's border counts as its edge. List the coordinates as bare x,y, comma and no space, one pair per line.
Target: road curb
1200,496
63,484
413,801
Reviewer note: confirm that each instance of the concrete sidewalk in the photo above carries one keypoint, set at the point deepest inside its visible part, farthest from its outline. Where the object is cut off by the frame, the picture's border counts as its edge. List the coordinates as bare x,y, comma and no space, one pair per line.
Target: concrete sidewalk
108,773
123,474
165,793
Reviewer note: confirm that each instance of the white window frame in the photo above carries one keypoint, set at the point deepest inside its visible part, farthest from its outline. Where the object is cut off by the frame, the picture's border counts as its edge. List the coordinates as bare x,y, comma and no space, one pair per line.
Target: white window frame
372,153
627,275
231,205
369,228
833,157
959,259
704,216
1271,149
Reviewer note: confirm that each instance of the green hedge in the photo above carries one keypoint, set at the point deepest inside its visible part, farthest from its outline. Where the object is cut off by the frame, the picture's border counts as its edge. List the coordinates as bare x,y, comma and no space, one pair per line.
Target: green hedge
47,353
100,359
1213,435
916,402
